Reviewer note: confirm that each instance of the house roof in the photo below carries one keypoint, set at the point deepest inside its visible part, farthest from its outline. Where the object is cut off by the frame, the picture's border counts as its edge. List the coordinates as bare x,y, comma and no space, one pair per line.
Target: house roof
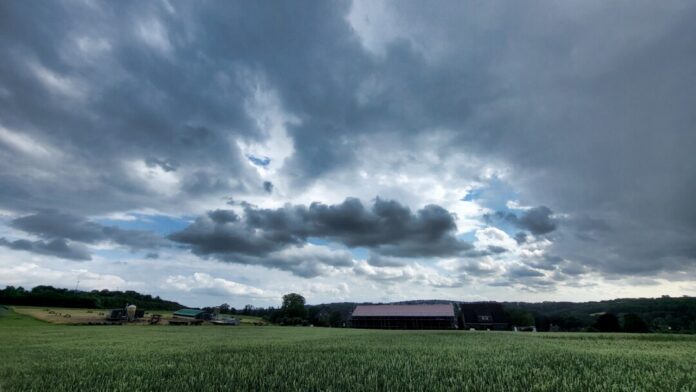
188,312
440,310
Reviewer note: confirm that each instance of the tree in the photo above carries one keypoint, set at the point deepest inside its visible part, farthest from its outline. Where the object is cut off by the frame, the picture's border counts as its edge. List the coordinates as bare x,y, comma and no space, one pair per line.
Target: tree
607,322
520,318
224,308
633,323
335,319
294,306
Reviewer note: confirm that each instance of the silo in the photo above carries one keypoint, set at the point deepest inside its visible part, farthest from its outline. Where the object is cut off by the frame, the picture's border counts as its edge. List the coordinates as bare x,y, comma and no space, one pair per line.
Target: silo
130,311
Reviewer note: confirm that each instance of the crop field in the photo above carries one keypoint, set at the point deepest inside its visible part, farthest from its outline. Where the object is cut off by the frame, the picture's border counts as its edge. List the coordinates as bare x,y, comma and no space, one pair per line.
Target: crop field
83,316
40,356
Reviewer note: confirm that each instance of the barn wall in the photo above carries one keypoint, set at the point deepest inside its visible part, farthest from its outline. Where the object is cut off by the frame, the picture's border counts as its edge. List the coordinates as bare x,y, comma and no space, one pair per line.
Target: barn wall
403,322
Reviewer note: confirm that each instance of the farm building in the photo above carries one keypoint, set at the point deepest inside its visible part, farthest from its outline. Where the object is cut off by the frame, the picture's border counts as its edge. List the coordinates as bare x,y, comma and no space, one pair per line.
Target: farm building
192,314
422,316
483,315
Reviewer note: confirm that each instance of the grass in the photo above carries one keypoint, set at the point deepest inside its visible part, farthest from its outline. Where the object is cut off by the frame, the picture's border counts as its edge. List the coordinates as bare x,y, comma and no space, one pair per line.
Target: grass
83,316
9,318
39,356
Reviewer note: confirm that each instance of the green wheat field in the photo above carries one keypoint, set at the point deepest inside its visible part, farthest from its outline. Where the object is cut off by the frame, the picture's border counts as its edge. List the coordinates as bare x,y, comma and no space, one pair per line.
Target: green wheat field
36,356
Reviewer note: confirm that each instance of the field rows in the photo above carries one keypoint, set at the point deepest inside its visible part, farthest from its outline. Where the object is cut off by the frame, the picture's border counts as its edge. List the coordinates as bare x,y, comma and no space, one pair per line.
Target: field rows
60,358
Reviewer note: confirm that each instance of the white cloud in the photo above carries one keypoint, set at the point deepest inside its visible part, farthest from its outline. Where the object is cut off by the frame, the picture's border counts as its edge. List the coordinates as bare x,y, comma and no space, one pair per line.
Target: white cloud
153,33
412,273
154,178
25,144
205,283
30,274
66,86
491,236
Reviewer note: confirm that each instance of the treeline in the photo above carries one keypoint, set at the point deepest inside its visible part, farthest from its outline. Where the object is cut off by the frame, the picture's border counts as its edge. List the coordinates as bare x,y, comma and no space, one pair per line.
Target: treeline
295,311
665,314
97,299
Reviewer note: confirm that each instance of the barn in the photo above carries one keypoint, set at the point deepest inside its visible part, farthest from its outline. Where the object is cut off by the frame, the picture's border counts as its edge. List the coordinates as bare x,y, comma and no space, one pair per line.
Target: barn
483,315
191,314
421,316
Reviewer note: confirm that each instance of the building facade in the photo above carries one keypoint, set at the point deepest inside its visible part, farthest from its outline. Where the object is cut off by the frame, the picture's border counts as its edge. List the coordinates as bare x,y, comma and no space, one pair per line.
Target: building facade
422,316
483,315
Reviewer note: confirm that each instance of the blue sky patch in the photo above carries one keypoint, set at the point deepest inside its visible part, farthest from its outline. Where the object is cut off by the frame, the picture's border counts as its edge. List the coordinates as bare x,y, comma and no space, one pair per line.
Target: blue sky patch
259,161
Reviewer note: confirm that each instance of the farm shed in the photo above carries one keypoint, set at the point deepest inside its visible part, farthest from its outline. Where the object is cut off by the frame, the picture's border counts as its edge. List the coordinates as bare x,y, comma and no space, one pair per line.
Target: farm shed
191,314
483,315
422,316
115,314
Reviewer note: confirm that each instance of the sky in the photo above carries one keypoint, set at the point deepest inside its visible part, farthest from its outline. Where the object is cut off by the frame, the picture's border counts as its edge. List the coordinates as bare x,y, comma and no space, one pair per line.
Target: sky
235,151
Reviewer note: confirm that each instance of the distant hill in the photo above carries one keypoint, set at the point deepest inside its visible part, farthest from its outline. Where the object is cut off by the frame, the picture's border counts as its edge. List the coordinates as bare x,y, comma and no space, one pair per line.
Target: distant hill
104,299
660,314
664,314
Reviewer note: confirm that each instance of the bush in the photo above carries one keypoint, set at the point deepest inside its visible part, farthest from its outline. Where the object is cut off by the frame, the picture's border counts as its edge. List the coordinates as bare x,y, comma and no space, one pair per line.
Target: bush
634,324
607,322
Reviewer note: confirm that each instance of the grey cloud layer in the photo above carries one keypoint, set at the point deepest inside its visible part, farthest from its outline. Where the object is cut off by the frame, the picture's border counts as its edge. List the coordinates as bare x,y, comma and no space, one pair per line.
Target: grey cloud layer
386,227
57,247
53,224
537,220
600,130
59,228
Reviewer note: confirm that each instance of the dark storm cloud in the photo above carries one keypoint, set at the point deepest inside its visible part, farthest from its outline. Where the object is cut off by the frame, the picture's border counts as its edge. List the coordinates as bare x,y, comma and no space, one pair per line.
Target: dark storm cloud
222,235
386,227
528,279
208,237
60,226
523,272
537,220
497,249
223,216
520,237
475,268
138,77
307,264
167,165
268,186
590,126
57,247
53,224
171,88
385,261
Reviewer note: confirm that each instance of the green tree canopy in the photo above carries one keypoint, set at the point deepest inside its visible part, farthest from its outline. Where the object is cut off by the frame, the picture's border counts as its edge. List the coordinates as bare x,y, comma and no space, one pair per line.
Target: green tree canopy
633,323
294,306
607,322
519,317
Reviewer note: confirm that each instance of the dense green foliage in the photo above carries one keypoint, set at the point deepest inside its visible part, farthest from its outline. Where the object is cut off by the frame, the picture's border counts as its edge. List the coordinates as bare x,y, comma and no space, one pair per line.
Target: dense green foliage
164,358
634,324
293,306
665,314
607,322
104,299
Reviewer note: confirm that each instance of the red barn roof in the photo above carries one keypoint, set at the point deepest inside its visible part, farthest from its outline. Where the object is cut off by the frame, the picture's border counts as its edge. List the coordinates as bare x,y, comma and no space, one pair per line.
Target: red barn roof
440,310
